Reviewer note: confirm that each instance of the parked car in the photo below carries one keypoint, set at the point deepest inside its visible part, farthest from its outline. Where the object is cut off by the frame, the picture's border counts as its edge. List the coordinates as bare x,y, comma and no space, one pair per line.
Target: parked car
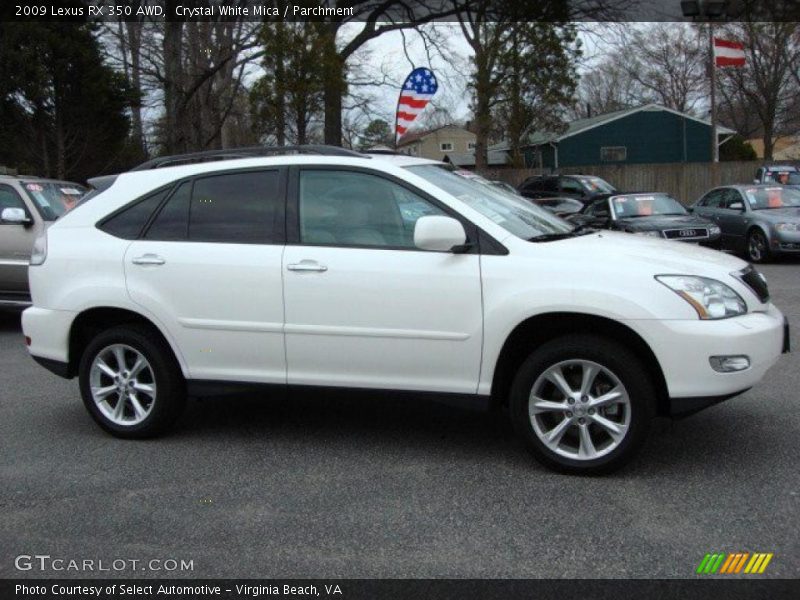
759,221
304,270
28,205
651,214
504,186
581,187
562,207
777,174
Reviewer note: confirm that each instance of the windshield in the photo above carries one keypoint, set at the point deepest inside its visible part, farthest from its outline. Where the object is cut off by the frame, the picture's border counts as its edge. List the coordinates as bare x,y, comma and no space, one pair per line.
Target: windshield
772,197
646,205
595,184
54,198
511,212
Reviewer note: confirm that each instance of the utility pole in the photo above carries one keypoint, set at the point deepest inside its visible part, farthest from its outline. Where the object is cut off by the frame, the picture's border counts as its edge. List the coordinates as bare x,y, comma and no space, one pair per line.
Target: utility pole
713,67
709,9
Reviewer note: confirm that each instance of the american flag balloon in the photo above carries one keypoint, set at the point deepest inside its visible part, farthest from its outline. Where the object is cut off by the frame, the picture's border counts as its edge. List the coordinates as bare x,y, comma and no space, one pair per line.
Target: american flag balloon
418,89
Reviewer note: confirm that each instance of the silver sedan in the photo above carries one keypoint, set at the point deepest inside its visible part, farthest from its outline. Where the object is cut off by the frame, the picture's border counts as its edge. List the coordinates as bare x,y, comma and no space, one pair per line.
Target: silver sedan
759,221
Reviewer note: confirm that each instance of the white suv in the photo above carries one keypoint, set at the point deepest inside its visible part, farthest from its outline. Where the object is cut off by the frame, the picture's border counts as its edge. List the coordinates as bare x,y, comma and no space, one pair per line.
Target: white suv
324,267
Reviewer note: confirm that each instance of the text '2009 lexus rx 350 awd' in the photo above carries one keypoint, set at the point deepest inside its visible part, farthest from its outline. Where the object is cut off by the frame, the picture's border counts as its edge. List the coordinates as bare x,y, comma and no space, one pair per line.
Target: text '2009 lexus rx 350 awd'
325,267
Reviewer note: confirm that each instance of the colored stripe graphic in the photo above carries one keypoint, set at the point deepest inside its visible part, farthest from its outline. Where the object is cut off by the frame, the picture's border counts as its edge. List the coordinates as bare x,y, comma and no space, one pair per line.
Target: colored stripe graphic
733,563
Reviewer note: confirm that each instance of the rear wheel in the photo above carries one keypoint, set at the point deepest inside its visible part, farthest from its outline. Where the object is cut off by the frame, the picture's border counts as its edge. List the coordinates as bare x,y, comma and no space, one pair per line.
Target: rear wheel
582,404
757,247
131,383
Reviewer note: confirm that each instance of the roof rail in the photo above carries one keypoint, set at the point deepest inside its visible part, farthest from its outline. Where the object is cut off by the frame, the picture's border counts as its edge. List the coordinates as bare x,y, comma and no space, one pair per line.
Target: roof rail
249,152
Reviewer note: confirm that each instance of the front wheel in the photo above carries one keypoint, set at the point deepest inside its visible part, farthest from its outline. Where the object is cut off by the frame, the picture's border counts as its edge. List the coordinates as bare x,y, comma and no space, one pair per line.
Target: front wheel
582,404
131,383
757,247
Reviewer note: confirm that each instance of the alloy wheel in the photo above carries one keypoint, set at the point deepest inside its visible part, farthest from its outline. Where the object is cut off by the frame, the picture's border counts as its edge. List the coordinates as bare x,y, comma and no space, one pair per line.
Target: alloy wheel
579,409
123,384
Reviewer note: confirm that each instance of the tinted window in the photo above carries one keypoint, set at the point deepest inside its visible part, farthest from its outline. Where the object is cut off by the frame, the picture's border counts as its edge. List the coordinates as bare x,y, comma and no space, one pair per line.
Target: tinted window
571,186
243,208
711,199
172,222
129,223
10,199
730,196
357,209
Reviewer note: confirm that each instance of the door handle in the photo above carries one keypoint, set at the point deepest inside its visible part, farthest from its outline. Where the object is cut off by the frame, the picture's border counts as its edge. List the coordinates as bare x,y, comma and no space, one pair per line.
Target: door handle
307,265
148,259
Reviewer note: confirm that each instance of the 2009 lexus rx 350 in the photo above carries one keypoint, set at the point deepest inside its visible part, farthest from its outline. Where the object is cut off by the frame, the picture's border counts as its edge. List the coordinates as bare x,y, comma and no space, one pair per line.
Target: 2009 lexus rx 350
330,268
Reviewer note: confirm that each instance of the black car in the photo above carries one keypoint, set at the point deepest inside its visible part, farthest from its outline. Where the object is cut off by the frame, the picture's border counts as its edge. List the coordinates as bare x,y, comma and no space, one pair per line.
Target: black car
580,187
559,206
653,214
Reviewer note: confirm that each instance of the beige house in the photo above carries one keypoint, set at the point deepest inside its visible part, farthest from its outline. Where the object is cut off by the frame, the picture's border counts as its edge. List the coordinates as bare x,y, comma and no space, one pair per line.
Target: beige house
785,148
435,144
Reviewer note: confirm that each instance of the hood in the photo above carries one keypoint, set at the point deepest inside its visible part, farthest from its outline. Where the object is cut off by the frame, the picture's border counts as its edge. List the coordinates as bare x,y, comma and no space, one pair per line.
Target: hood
616,250
776,215
661,222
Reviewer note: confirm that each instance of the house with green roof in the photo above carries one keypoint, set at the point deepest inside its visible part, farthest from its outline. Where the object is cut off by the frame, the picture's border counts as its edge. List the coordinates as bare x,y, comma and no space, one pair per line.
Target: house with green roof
646,134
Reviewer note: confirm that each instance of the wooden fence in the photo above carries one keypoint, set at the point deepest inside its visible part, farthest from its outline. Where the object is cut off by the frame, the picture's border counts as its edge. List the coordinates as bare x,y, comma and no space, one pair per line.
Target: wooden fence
684,181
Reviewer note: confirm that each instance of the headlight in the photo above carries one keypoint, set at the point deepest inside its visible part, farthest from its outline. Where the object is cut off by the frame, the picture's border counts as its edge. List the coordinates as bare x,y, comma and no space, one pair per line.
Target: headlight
39,252
787,226
711,299
648,233
714,230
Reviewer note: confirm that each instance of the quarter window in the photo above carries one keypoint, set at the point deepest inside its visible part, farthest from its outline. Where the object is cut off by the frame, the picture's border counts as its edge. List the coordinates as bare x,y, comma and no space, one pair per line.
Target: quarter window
343,208
128,223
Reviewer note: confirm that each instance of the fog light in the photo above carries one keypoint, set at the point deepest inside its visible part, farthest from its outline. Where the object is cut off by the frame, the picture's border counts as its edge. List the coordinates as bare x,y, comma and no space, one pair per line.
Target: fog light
729,364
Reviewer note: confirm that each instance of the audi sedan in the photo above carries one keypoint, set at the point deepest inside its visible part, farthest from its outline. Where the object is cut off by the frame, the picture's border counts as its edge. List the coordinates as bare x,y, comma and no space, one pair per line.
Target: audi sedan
650,214
759,221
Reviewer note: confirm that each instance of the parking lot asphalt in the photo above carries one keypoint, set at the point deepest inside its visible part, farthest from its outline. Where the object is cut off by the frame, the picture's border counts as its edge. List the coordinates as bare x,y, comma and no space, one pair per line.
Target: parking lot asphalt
338,486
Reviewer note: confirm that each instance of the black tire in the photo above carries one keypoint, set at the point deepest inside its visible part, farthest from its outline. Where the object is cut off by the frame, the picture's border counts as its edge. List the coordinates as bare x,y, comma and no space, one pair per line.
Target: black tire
170,397
616,359
757,248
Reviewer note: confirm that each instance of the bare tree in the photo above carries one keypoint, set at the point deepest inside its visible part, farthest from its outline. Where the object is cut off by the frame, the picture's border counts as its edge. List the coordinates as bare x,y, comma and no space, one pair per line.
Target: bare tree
767,86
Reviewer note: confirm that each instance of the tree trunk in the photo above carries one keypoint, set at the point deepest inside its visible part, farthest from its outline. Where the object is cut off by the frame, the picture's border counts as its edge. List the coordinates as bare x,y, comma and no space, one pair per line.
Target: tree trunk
135,46
173,70
335,86
483,119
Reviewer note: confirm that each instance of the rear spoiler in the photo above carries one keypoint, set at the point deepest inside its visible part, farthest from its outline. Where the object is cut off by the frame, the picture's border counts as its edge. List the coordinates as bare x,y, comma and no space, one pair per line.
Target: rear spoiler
100,184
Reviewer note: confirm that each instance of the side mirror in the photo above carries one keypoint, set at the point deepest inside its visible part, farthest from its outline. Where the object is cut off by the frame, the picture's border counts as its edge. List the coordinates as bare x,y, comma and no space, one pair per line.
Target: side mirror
736,206
15,216
440,234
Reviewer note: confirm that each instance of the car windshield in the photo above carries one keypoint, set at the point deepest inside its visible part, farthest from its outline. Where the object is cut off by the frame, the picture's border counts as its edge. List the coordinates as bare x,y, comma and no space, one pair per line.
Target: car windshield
54,198
511,212
646,205
772,197
597,185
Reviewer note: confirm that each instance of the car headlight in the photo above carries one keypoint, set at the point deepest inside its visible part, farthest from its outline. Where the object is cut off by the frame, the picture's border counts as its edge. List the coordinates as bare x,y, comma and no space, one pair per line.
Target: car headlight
648,233
714,230
787,226
711,299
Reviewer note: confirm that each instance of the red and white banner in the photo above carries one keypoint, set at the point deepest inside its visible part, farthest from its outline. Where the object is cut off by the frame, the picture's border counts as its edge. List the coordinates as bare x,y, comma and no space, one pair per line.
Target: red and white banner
728,54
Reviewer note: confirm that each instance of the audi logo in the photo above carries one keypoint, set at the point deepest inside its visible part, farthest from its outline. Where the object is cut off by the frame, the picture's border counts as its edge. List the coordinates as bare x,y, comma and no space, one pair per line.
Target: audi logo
687,233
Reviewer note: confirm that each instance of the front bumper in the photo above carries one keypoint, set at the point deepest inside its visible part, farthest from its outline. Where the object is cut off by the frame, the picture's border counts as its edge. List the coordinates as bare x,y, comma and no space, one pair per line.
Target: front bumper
683,349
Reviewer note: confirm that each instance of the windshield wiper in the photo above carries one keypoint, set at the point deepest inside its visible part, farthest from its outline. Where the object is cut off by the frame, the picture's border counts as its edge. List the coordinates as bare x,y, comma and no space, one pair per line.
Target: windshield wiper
549,237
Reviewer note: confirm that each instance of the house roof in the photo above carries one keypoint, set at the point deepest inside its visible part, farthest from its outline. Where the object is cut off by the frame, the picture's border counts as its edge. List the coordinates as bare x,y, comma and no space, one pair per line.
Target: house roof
413,136
581,125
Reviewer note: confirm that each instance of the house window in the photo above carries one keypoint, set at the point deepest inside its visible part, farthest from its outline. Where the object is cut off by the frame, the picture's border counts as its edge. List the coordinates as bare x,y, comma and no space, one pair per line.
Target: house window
471,145
613,153
446,146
